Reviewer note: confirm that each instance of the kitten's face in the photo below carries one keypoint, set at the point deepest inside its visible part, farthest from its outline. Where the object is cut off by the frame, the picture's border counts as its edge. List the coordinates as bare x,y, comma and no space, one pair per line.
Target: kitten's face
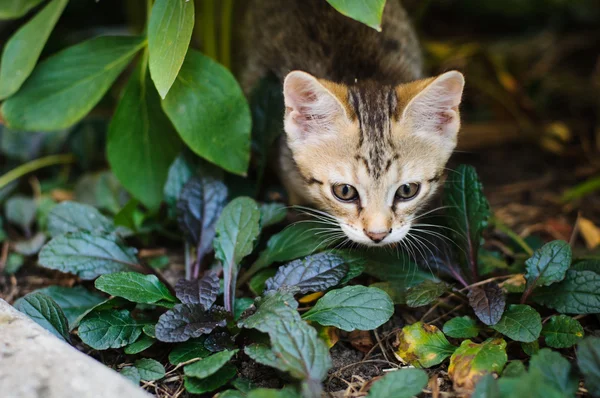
372,156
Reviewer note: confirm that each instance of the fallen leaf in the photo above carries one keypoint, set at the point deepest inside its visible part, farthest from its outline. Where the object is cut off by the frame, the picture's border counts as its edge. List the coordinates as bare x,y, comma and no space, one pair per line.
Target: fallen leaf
361,340
590,233
471,361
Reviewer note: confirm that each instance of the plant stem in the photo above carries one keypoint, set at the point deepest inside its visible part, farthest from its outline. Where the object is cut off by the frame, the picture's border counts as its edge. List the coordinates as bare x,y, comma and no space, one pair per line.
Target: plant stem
513,235
207,21
188,264
34,165
225,38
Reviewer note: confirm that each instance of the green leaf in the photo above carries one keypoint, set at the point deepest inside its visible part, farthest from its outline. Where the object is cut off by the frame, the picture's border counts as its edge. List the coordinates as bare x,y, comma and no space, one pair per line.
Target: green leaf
423,346
463,327
274,306
75,217
187,351
237,229
209,365
106,329
209,111
486,387
23,49
398,269
548,264
16,8
287,392
588,359
514,369
241,305
521,323
169,34
587,265
368,12
562,331
87,255
531,385
402,383
530,348
264,355
142,344
467,215
257,283
140,149
46,313
14,262
20,210
272,213
132,374
471,361
194,385
149,369
179,174
425,293
74,301
66,86
578,293
134,287
352,308
556,371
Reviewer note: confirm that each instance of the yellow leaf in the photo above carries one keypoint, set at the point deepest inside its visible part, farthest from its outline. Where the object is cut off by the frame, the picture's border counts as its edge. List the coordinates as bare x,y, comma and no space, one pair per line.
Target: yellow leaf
309,298
590,233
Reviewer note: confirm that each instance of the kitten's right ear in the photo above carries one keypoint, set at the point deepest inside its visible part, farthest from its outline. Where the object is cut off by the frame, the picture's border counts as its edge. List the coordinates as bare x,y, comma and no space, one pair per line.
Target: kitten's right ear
311,108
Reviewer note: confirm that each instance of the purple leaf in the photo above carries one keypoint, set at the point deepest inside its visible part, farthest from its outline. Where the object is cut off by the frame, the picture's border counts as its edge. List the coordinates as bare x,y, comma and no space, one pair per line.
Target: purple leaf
186,321
201,291
488,302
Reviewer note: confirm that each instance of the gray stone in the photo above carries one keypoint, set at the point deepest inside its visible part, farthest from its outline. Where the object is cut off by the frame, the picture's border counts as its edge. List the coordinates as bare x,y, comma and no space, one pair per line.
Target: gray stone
34,363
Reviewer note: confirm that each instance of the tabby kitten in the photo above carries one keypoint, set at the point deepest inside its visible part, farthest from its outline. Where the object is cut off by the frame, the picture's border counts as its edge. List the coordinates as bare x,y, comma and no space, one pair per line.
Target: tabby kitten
365,140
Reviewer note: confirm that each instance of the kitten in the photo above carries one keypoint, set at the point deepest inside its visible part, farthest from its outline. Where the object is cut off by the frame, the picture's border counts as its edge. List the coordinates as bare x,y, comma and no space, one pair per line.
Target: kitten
365,140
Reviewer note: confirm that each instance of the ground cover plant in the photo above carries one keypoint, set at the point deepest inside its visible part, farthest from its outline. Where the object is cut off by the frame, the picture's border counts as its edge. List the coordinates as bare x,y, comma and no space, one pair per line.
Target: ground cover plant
247,297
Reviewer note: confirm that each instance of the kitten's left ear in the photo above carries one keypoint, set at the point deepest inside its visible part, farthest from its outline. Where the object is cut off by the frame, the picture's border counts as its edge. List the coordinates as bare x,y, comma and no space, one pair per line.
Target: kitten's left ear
433,112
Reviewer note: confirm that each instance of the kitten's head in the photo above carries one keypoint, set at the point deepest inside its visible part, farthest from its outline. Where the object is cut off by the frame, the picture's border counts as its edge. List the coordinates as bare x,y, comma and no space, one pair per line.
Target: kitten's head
371,155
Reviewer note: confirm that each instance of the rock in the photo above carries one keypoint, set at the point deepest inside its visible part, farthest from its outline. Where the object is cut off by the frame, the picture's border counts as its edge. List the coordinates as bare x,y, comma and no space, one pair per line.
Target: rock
34,363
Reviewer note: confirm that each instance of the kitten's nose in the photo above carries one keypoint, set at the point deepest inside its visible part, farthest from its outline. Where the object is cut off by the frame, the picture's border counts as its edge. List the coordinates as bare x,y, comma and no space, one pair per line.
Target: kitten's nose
376,236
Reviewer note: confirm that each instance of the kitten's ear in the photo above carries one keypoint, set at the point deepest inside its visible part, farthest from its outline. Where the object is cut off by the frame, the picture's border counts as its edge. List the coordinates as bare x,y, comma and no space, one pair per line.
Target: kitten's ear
312,107
434,110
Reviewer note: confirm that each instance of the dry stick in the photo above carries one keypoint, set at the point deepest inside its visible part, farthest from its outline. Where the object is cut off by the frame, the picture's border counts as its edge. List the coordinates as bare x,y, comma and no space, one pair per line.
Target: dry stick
380,345
575,232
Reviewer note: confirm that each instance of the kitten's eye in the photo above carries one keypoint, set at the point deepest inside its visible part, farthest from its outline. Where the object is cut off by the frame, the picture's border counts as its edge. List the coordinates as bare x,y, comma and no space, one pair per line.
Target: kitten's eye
344,192
408,191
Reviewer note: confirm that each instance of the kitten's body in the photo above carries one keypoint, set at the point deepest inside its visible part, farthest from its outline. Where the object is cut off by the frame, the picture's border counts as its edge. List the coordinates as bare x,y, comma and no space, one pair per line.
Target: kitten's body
348,119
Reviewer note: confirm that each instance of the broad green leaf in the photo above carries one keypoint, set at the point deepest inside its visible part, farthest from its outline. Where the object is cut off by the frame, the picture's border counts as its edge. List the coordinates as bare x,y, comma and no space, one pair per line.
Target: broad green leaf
74,301
75,217
396,268
241,305
65,87
274,306
588,359
488,302
264,355
521,323
257,283
142,344
562,331
471,361
208,109
467,214
134,287
131,373
352,308
23,49
578,293
531,385
237,229
556,371
548,264
587,265
16,8
106,329
272,213
368,12
140,149
179,174
194,385
14,262
169,34
87,255
402,383
530,348
20,210
209,365
287,392
425,293
463,327
514,369
46,313
149,330
423,346
149,369
187,351
486,387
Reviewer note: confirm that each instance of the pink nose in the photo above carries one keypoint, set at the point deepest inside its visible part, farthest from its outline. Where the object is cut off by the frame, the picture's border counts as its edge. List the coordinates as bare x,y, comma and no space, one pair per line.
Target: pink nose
377,236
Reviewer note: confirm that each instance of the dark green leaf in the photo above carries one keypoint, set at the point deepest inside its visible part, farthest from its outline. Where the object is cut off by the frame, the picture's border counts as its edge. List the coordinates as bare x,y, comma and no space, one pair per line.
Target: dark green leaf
272,213
169,34
395,268
179,174
14,262
514,369
257,283
16,8
402,383
423,346
588,359
471,361
368,12
486,387
66,86
425,293
87,255
187,351
463,327
142,344
46,313
23,49
530,348
578,293
74,301
587,265
556,371
352,308
106,329
488,302
548,264
562,331
140,149
241,305
531,385
77,217
134,287
132,374
20,210
200,291
185,321
204,102
150,330
264,355
521,323
200,386
209,365
287,392
149,369
315,273
274,306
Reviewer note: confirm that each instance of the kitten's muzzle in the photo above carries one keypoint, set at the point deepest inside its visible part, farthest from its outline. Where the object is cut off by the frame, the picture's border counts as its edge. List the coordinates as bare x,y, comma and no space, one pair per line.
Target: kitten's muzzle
377,237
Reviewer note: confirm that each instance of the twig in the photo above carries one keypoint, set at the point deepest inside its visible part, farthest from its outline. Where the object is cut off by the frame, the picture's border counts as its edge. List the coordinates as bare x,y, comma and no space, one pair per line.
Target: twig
575,232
